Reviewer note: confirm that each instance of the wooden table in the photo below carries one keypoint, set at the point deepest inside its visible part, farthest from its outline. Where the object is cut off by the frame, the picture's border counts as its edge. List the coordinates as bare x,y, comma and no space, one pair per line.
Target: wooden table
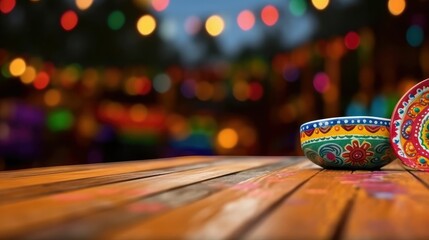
213,198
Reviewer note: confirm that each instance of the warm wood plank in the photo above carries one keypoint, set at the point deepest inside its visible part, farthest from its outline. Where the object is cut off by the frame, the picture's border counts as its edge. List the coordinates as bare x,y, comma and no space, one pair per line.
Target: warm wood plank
221,215
24,215
79,167
95,224
100,171
392,206
422,176
14,194
312,212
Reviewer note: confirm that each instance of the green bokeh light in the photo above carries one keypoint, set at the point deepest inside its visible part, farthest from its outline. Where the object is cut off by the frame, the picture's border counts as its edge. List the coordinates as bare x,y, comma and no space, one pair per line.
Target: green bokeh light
116,20
60,120
415,36
297,7
5,71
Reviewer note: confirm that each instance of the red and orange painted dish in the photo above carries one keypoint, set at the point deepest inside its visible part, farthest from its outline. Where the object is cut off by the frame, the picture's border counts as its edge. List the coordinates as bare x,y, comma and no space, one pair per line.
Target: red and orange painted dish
409,129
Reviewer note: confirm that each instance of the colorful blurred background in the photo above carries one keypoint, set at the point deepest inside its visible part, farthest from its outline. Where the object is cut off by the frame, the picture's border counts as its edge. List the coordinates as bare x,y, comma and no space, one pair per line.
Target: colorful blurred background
87,81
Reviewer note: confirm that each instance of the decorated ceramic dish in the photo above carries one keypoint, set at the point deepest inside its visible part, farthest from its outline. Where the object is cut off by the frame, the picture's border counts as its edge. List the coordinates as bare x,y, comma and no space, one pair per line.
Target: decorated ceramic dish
410,127
359,142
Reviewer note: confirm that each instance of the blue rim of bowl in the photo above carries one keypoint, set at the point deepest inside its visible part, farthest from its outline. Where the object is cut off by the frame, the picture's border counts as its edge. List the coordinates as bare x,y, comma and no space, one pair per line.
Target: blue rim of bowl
367,120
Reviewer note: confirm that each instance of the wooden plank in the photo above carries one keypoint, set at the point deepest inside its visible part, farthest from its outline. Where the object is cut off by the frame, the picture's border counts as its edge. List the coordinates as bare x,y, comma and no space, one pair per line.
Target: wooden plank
92,226
79,167
392,206
97,172
312,212
21,216
222,214
423,176
15,194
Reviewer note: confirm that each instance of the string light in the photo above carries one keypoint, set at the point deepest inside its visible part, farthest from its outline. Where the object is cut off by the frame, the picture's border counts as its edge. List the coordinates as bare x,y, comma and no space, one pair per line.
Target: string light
29,75
297,7
160,5
246,20
146,25
396,7
6,6
320,4
41,81
269,15
227,138
215,25
116,20
69,20
17,67
351,40
52,97
83,4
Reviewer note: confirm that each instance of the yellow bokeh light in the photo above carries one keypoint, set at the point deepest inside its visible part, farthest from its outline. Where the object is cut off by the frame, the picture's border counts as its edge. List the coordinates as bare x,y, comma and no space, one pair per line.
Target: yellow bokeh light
215,25
17,67
83,4
227,138
29,75
241,90
138,112
146,25
396,7
320,4
52,97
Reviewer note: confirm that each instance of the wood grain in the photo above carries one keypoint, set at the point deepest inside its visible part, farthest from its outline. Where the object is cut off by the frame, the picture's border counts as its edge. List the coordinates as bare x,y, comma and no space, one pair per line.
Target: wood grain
79,167
27,192
94,225
393,205
24,215
96,172
222,214
312,212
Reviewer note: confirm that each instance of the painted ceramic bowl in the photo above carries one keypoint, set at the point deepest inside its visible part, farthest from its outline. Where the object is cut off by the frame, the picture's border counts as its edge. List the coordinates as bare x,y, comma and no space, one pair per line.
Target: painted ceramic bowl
359,142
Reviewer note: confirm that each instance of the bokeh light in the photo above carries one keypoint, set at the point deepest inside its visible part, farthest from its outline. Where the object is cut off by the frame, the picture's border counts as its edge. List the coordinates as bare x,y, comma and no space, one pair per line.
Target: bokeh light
241,90
162,83
351,40
415,36
204,91
160,5
320,4
60,120
69,20
17,67
6,6
297,7
146,25
52,97
116,20
215,25
138,112
193,25
269,15
41,81
256,91
188,88
246,20
396,7
227,138
83,4
29,75
321,82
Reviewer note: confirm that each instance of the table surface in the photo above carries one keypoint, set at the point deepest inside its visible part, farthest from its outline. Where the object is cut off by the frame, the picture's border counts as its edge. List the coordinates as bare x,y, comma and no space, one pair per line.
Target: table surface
213,198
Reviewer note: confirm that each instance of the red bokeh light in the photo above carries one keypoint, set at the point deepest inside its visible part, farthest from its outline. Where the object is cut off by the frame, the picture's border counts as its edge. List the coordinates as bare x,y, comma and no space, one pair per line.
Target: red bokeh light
270,15
246,20
41,81
256,91
69,20
160,5
352,40
6,6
